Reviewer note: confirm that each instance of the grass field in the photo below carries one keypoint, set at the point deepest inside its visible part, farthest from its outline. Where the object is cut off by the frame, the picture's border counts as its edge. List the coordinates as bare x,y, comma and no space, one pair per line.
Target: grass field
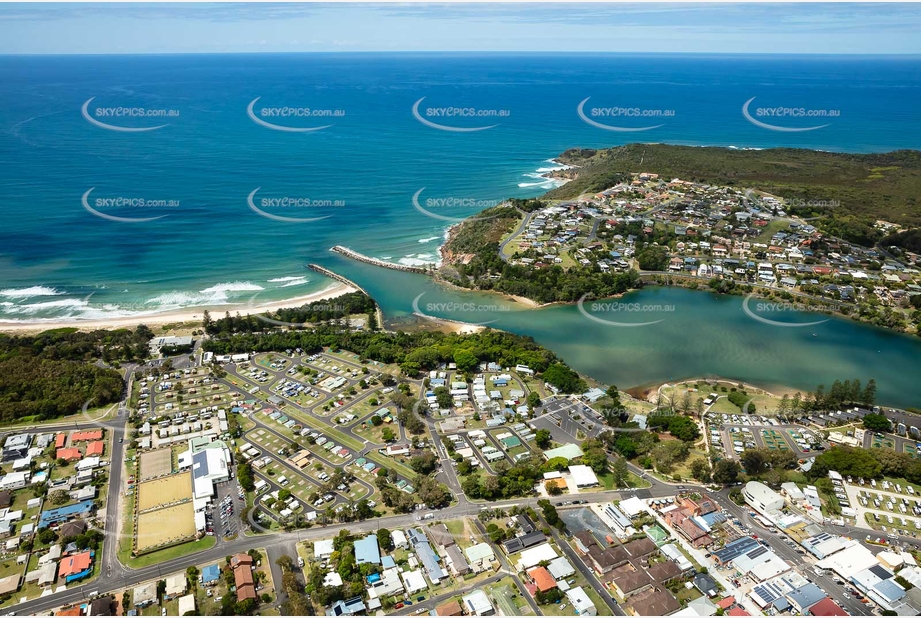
164,491
165,525
155,463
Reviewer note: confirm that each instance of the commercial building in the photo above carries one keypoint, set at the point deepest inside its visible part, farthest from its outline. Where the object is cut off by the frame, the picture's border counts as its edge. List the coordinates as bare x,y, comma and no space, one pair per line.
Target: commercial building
761,497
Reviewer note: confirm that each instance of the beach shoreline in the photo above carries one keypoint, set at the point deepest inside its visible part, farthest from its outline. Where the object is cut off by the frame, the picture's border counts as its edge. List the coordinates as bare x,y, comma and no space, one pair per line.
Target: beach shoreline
188,314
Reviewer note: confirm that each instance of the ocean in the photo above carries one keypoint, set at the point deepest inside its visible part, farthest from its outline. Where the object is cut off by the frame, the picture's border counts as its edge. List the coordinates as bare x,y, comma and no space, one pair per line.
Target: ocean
251,166
353,183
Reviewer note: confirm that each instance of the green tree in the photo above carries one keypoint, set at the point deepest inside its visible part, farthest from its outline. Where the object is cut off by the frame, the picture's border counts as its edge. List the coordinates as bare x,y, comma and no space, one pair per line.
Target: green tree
726,472
620,472
700,470
542,439
877,422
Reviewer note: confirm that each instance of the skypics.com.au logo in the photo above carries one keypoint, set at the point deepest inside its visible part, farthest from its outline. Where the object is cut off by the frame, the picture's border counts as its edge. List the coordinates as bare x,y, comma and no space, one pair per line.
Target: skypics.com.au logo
452,204
594,310
610,114
270,207
467,313
285,118
786,113
765,311
104,117
103,207
449,113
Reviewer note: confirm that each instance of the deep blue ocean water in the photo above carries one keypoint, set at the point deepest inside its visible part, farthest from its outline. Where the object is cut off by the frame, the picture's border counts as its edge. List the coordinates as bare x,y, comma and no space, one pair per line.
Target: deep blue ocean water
58,259
356,180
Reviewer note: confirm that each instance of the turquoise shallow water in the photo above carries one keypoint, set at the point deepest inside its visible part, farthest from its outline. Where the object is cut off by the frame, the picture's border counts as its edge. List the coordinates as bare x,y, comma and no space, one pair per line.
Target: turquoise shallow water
357,178
694,334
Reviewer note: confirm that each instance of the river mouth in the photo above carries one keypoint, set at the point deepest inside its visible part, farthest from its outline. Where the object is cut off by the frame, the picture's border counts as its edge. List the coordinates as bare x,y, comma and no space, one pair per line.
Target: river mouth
696,334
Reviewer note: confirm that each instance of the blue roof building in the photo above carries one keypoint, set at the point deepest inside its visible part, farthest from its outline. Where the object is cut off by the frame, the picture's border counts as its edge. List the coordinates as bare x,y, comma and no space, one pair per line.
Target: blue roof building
210,573
54,516
367,550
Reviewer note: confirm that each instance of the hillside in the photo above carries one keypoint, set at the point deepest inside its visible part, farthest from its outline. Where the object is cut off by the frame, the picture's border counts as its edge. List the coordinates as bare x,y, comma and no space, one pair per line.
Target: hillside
863,188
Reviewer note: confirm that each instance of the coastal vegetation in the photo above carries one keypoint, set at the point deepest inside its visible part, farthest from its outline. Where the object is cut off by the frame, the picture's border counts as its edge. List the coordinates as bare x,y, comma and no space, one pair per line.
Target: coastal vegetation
847,192
339,308
56,372
413,352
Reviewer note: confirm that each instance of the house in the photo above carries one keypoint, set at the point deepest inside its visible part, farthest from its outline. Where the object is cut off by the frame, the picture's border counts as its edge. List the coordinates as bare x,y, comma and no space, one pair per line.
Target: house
583,476
71,529
243,580
541,578
86,436
805,597
524,541
451,608
440,536
15,480
349,607
324,549
186,604
480,555
176,585
210,575
145,595
241,560
653,602
75,564
628,580
582,605
826,607
477,603
68,454
701,606
367,550
102,606
456,559
95,449
397,536
413,581
561,568
706,584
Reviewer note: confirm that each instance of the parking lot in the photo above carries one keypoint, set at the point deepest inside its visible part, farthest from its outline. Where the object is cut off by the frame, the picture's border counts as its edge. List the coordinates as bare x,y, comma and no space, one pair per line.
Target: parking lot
732,434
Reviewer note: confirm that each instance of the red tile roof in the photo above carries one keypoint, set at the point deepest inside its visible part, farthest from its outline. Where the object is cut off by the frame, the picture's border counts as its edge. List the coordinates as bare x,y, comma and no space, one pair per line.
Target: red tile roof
727,602
95,448
59,441
75,564
86,436
70,454
737,611
827,607
542,578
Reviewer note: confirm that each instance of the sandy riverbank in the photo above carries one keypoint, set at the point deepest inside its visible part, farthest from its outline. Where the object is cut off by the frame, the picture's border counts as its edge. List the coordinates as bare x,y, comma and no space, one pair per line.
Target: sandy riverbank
192,314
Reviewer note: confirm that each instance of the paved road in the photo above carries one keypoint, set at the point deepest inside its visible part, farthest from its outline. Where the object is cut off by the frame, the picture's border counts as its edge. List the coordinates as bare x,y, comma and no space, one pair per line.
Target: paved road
518,230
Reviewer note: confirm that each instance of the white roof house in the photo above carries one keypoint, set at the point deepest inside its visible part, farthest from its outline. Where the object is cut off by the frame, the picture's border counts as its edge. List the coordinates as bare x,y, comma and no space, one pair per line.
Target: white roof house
186,604
583,476
323,549
399,538
581,604
414,581
632,506
479,553
535,555
560,568
477,603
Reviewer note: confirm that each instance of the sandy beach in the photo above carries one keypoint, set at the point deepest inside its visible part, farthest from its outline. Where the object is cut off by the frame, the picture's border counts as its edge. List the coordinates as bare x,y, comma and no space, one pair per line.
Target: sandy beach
191,314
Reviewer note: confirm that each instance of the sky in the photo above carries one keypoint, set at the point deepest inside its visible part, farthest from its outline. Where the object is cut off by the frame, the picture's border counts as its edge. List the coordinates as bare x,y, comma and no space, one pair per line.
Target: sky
144,28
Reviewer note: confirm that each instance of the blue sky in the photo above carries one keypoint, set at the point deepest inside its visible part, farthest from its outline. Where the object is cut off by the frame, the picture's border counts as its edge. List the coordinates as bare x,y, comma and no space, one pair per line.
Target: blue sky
222,28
